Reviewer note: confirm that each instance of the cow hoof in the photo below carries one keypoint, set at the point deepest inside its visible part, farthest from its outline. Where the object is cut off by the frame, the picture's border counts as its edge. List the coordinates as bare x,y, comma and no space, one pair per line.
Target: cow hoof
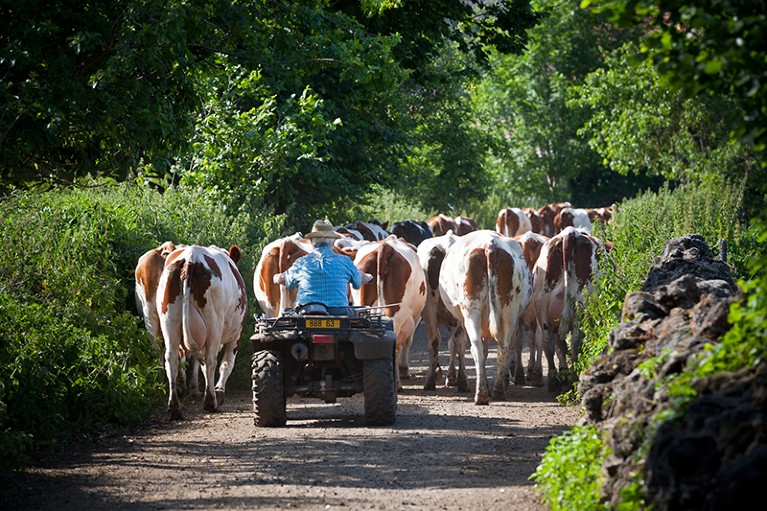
175,414
219,397
499,395
431,383
463,385
482,398
209,404
555,386
536,379
404,374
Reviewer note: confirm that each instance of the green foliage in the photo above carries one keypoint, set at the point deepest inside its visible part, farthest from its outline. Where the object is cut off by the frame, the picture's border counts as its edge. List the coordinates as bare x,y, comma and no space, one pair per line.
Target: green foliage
569,476
707,47
74,355
638,124
523,104
92,88
253,102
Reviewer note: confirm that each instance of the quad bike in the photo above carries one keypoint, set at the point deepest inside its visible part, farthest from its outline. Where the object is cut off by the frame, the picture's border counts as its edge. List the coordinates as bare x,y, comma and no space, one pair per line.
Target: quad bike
310,353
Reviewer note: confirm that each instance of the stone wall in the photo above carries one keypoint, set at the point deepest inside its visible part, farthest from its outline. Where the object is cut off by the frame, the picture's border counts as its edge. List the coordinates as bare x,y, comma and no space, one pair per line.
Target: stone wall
711,458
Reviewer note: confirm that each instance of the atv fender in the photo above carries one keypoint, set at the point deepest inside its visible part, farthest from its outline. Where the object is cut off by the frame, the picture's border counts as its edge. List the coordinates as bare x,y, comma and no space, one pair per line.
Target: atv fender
370,347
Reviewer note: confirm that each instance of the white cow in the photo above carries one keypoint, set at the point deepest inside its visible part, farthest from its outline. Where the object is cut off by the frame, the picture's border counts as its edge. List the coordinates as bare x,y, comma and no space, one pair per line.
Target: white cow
486,285
202,303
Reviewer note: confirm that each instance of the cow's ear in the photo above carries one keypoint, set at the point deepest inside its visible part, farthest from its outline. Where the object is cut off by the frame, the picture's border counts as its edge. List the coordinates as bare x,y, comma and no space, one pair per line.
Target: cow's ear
166,248
235,253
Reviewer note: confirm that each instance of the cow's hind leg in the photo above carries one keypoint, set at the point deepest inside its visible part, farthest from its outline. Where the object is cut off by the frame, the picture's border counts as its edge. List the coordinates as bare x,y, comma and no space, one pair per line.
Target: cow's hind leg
171,370
459,347
209,402
435,371
225,370
474,332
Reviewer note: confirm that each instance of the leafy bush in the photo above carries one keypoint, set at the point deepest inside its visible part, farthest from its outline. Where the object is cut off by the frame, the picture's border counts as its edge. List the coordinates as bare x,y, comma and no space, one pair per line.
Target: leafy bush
569,474
74,356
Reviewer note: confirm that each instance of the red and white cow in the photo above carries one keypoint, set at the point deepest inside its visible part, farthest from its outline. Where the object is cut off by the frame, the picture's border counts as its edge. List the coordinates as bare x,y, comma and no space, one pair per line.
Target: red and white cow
202,304
536,222
277,257
572,217
147,273
486,285
464,225
512,222
440,224
431,253
548,213
532,244
565,267
399,285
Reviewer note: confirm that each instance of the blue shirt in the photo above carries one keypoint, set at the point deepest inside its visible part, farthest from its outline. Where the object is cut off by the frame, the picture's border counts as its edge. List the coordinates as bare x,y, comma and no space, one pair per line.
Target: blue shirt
322,276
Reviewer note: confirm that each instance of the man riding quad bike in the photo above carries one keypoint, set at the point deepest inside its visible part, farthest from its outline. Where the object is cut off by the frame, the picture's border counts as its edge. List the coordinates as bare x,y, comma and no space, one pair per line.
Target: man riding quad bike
324,348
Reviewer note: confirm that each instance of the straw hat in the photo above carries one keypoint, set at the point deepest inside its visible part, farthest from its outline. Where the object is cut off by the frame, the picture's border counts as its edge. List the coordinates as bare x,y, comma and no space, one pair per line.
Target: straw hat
323,229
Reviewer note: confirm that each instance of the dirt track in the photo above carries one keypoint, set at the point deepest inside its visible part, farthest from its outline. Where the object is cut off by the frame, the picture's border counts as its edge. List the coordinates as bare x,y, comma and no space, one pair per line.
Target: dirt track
443,453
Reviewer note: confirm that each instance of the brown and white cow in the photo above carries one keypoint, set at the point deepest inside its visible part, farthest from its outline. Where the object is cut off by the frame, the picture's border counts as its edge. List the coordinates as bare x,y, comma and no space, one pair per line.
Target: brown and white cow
398,286
572,217
548,213
565,267
464,225
277,257
148,271
532,244
536,222
431,253
440,224
202,304
486,285
512,222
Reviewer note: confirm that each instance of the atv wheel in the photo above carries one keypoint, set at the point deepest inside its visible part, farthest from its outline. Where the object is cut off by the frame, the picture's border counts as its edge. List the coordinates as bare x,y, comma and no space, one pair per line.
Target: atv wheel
380,391
268,389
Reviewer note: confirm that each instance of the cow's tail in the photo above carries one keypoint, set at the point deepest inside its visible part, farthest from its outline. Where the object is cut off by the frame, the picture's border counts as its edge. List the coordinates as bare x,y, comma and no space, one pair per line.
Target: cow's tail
491,258
187,278
380,263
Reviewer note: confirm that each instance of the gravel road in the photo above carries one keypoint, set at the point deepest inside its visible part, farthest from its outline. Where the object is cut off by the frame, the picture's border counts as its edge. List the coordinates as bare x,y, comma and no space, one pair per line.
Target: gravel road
443,453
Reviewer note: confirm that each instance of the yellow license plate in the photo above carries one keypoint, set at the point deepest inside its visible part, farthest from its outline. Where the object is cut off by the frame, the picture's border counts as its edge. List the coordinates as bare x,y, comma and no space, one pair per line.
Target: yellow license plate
323,323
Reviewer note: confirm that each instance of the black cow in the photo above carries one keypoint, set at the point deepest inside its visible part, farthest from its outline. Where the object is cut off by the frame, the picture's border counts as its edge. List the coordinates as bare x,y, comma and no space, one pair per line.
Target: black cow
412,231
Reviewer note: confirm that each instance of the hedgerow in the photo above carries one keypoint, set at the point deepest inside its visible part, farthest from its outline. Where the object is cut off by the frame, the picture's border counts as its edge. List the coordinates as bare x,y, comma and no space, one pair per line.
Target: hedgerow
642,227
74,356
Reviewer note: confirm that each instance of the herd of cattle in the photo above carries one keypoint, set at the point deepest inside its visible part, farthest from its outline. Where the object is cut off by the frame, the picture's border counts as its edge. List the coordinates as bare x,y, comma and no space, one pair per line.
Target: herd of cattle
517,285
